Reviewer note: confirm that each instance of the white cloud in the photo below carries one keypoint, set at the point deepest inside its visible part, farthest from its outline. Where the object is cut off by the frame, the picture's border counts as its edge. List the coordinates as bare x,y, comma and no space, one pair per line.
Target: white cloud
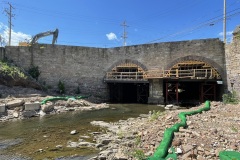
229,33
111,36
16,37
228,36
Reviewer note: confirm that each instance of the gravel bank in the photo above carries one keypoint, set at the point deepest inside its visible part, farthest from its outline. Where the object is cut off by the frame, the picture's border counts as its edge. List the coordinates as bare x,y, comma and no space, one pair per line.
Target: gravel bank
206,135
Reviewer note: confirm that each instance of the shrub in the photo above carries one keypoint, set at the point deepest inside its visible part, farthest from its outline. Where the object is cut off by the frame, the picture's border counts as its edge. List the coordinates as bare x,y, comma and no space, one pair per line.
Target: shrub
11,70
155,115
34,72
230,98
78,90
61,87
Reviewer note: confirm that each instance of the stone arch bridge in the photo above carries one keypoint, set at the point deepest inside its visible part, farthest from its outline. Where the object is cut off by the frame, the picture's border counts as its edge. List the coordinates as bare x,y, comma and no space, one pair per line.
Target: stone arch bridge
170,72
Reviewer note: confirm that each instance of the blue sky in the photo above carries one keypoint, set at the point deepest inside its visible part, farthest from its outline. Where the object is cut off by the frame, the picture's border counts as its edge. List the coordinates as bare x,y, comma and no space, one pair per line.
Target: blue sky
96,23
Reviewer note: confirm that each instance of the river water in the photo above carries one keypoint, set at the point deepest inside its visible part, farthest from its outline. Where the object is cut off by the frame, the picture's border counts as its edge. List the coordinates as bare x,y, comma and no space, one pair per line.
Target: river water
38,137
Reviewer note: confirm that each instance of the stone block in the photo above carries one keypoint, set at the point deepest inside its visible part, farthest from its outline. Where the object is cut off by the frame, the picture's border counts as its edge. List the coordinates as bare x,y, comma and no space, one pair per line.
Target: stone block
15,103
32,106
28,114
2,108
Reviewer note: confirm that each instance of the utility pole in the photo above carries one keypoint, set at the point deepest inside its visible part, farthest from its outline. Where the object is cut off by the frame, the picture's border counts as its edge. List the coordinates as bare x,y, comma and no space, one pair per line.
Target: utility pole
224,22
10,15
124,36
0,40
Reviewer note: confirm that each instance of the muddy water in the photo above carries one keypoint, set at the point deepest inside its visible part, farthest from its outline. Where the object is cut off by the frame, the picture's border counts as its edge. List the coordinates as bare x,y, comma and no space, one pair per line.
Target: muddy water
39,137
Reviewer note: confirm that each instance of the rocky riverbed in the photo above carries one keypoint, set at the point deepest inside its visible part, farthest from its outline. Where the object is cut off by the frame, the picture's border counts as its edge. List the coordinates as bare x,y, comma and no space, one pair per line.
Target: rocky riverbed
206,135
13,105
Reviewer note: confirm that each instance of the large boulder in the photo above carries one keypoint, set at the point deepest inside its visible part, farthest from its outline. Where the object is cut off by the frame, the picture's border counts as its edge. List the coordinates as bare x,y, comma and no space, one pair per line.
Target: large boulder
48,107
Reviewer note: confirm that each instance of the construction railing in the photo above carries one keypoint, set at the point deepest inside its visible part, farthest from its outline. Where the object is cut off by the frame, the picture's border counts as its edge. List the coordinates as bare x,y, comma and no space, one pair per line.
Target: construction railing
124,76
152,74
190,73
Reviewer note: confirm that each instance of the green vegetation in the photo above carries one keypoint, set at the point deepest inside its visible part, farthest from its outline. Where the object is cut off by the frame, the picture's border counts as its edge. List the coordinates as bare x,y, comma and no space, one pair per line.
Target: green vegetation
46,87
78,90
61,87
230,98
155,115
120,134
138,140
34,72
234,129
237,35
139,154
8,69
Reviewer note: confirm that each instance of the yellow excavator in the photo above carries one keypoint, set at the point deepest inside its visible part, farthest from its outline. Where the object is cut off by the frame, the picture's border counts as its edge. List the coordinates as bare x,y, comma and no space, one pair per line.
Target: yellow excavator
40,35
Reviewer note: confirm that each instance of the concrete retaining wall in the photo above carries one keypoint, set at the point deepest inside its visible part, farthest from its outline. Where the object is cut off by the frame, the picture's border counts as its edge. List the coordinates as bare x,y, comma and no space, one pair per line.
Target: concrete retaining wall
2,53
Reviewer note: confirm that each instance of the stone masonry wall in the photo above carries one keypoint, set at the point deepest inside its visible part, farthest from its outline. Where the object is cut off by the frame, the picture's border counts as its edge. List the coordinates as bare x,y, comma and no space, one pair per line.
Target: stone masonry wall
233,65
2,52
86,67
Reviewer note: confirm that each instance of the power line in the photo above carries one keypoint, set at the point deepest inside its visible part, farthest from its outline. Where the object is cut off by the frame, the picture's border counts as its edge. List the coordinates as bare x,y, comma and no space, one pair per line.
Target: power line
207,23
10,15
67,15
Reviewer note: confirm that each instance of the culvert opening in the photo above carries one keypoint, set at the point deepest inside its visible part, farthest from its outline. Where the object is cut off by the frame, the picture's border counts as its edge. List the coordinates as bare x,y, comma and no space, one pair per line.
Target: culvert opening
191,92
128,92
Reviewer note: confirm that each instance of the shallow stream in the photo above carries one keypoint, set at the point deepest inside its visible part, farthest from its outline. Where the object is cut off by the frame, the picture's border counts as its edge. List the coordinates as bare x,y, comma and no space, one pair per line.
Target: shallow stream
39,137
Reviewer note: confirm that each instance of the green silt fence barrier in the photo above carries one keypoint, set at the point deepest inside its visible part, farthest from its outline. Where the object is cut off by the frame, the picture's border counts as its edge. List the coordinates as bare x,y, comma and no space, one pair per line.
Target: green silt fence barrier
229,155
161,152
63,98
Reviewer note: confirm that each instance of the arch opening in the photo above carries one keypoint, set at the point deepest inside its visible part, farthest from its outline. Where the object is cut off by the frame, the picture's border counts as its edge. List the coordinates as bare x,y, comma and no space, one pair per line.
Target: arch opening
192,82
126,83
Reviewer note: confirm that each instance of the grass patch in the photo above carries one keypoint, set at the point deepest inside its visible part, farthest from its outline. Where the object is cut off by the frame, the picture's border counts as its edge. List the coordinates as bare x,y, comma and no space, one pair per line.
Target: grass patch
139,154
230,98
234,129
120,134
155,115
138,140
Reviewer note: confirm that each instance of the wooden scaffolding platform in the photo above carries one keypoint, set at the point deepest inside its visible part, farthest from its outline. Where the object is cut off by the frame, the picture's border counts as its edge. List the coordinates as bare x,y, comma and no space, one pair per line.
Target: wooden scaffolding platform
182,70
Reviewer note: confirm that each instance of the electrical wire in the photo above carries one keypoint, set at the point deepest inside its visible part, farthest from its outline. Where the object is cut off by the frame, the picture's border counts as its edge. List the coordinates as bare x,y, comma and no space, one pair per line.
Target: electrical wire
208,23
71,16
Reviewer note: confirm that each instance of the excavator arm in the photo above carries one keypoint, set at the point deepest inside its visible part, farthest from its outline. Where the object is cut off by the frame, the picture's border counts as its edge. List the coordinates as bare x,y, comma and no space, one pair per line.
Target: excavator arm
44,34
